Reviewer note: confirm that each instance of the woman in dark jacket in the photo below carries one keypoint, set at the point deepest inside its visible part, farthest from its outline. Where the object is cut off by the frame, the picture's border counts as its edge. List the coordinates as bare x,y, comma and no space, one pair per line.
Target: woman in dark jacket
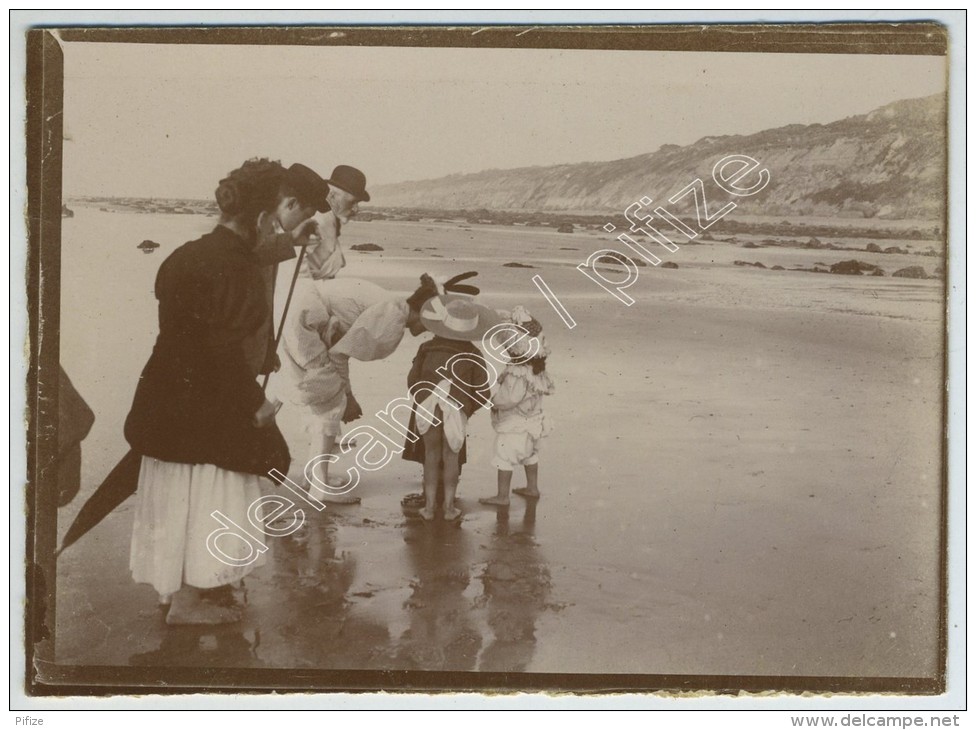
199,418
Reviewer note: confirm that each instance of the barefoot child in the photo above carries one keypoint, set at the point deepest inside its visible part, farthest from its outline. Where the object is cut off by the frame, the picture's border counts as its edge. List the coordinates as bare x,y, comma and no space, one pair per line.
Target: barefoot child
516,413
452,363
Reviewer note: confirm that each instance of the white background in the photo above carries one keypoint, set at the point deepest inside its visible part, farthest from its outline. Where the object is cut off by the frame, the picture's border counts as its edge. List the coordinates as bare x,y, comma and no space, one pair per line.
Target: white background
746,712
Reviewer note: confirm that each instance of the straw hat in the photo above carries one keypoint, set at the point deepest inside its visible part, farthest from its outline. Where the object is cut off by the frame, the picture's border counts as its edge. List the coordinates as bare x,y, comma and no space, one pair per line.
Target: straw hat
457,317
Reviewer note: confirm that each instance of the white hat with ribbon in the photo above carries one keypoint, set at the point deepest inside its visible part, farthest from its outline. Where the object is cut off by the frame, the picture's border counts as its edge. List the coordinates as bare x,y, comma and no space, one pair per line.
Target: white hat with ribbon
458,317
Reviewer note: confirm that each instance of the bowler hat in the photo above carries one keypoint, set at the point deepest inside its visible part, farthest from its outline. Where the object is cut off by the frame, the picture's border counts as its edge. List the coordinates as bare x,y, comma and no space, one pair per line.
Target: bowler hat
308,186
351,180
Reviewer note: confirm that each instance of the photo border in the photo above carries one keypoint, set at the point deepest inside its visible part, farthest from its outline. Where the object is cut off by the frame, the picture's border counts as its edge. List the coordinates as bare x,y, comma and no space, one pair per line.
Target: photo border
43,175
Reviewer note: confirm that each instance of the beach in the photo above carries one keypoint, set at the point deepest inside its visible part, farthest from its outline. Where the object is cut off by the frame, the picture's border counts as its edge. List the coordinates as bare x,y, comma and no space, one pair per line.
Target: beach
745,476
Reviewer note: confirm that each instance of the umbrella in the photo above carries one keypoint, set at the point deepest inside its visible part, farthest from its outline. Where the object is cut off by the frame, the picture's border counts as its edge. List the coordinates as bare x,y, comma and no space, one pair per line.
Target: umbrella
122,481
281,326
118,486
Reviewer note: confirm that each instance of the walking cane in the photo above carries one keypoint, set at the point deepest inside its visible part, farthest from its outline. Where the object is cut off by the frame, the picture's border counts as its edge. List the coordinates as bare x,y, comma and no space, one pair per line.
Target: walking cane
284,314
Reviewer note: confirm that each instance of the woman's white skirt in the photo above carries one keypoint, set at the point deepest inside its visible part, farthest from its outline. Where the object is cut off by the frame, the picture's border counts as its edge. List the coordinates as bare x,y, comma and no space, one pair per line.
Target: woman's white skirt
172,539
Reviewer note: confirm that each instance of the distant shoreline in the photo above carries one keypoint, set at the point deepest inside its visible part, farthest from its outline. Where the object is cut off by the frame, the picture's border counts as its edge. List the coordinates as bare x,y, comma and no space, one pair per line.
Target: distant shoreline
819,226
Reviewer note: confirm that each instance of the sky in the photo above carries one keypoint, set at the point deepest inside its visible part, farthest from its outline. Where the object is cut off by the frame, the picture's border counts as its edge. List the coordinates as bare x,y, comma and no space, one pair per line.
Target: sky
144,120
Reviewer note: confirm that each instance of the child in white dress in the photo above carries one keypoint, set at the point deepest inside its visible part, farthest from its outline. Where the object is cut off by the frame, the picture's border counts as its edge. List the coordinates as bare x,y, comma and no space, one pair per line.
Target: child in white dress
517,415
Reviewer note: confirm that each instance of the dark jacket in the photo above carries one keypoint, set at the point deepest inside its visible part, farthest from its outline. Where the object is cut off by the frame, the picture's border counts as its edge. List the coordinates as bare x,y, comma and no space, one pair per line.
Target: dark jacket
197,395
431,356
435,354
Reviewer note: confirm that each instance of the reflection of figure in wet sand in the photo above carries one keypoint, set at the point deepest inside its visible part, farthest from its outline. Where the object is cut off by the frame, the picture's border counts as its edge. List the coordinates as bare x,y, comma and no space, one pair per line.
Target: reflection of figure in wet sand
300,614
308,610
516,588
441,635
203,646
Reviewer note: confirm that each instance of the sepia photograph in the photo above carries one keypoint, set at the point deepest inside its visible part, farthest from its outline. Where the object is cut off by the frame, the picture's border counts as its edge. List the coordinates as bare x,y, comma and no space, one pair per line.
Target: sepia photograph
488,359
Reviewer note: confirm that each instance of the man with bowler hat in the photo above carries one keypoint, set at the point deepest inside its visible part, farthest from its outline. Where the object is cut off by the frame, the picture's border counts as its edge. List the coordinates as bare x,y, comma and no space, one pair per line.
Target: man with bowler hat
347,189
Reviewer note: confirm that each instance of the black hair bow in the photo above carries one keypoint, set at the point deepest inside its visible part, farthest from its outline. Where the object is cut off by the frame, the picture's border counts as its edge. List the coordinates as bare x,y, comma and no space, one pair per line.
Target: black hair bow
451,285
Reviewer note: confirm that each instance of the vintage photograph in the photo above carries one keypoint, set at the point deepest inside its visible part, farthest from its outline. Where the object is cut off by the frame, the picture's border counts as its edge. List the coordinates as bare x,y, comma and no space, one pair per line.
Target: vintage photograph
538,358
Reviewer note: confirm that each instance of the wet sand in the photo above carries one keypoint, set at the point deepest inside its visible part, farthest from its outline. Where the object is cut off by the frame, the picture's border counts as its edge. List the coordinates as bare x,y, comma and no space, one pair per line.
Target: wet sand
744,477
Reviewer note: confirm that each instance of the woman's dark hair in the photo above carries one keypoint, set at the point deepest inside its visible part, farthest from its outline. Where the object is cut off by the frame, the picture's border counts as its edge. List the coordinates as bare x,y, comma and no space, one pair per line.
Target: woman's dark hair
250,190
